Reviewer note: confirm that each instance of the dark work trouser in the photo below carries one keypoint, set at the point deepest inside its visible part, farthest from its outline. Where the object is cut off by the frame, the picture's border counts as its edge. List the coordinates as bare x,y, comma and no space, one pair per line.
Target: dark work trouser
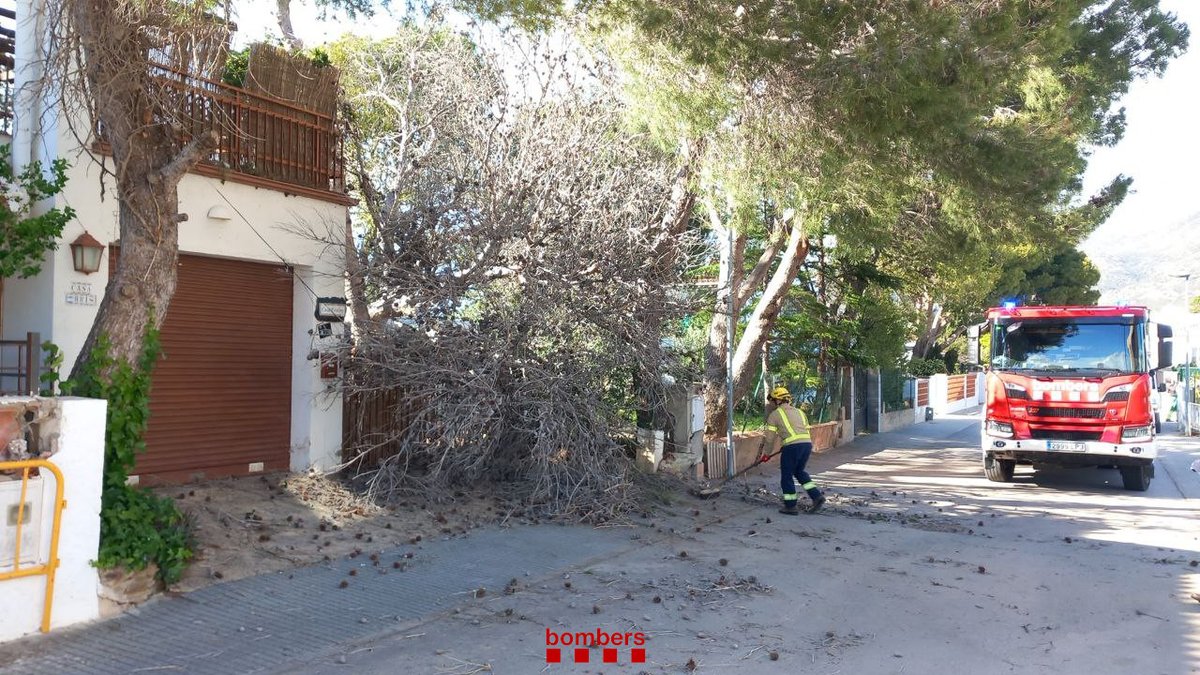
792,461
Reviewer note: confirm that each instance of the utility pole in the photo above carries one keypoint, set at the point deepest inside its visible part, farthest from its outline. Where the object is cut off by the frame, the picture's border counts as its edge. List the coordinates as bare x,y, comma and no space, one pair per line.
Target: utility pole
1185,412
731,331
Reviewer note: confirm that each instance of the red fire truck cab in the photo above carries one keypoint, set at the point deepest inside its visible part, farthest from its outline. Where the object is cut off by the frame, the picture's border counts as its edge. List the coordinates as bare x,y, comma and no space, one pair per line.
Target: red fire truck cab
1072,387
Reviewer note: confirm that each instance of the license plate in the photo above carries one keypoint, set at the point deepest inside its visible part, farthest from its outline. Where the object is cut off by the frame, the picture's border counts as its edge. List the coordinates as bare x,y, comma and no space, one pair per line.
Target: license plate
1066,446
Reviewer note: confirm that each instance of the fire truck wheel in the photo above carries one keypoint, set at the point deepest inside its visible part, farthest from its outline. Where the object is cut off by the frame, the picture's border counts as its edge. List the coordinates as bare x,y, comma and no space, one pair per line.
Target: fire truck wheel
999,470
1136,478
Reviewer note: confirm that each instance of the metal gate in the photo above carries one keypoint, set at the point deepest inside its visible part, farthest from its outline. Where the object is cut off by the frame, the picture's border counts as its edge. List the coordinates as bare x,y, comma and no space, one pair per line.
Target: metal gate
860,401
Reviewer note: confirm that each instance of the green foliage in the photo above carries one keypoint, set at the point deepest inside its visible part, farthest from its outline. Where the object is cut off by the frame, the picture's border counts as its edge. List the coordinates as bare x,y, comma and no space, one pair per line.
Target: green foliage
925,367
52,360
529,14
237,64
236,67
1060,276
136,526
25,238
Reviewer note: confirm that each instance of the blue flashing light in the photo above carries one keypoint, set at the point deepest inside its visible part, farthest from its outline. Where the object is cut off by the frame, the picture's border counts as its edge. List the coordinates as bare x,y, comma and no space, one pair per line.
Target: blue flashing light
1009,304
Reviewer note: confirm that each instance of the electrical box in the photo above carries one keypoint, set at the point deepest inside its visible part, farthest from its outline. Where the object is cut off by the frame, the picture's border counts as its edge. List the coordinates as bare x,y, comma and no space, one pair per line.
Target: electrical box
31,521
697,416
329,365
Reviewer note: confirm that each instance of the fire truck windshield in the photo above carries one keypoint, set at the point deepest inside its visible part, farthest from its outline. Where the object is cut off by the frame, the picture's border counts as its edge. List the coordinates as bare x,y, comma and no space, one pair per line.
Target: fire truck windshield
1086,346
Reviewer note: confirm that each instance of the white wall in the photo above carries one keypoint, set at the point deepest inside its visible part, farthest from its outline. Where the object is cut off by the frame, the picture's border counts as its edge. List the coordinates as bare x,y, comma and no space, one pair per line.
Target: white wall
79,454
263,228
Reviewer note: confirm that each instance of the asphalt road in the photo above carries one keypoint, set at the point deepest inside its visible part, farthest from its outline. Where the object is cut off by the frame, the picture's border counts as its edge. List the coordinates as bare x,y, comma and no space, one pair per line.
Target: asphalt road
918,565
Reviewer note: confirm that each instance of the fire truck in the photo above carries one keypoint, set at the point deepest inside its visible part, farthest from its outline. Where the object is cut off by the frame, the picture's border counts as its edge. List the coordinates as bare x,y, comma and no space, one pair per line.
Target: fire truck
1072,387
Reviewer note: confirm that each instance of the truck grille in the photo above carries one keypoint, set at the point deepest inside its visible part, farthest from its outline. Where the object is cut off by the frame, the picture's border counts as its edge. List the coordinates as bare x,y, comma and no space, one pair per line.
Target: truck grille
1055,435
1076,413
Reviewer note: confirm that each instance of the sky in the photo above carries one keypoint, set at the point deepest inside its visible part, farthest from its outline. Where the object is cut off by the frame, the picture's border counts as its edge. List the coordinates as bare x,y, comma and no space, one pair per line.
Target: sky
1162,142
256,18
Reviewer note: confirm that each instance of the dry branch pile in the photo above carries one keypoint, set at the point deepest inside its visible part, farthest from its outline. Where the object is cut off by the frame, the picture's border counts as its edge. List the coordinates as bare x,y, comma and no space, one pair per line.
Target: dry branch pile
517,269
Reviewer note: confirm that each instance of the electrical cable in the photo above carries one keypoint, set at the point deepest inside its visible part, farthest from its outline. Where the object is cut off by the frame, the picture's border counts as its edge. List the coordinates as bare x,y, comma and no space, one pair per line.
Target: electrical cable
289,264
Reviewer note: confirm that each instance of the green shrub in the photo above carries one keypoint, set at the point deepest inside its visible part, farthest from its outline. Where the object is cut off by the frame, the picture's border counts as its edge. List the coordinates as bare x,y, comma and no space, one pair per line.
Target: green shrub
137,527
925,367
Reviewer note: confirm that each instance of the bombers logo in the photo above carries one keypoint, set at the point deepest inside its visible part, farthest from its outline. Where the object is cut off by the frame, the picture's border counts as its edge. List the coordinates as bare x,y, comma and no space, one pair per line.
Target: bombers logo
1067,385
582,642
1065,390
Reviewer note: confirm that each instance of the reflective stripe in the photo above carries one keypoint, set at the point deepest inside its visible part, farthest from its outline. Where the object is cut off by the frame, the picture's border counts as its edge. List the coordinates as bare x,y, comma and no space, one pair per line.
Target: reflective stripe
792,436
790,497
809,485
772,427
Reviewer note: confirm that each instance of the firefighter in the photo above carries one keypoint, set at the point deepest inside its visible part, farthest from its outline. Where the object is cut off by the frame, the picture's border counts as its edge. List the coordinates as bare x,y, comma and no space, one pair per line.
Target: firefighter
789,424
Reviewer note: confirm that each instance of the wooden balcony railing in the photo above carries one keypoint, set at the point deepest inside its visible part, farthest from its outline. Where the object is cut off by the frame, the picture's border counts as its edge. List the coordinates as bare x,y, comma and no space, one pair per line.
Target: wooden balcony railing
263,141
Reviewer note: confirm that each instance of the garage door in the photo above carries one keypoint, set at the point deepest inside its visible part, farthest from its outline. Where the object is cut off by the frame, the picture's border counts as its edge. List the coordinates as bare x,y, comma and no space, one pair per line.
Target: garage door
221,398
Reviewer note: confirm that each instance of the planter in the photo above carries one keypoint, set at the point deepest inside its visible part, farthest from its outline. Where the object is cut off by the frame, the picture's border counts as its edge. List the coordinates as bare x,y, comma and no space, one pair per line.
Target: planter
121,589
824,435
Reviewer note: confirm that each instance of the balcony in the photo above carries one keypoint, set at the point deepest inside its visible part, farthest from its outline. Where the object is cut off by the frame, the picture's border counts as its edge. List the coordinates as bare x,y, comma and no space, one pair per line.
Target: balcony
263,141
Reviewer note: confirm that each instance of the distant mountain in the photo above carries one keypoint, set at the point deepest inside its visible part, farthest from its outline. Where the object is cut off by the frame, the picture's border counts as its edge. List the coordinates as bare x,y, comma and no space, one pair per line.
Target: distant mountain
1136,264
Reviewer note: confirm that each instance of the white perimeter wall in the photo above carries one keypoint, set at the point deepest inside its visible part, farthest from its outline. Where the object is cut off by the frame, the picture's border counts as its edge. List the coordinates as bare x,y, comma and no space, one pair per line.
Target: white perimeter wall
80,457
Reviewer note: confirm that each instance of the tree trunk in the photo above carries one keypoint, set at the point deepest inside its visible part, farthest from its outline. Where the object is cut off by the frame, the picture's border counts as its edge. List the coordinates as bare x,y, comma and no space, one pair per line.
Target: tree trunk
758,327
284,16
750,345
932,326
150,160
715,354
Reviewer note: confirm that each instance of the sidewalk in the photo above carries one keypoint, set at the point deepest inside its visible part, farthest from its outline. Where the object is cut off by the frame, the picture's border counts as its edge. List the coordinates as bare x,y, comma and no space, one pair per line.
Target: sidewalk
255,624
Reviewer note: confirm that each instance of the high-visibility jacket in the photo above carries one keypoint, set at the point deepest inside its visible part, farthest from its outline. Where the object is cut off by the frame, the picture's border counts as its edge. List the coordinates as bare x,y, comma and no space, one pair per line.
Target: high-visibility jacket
789,424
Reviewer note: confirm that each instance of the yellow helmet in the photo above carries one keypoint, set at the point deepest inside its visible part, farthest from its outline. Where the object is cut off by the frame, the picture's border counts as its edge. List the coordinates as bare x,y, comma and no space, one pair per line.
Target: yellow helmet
780,394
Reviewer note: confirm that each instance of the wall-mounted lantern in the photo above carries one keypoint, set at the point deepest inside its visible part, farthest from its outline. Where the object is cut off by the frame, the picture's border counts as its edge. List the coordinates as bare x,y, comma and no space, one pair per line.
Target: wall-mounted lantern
86,253
331,309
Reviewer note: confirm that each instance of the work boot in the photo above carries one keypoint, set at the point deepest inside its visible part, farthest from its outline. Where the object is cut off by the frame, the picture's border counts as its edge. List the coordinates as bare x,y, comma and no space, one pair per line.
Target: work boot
817,504
789,508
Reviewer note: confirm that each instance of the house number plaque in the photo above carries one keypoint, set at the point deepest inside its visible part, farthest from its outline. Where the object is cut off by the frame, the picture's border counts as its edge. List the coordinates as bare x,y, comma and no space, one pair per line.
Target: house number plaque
81,294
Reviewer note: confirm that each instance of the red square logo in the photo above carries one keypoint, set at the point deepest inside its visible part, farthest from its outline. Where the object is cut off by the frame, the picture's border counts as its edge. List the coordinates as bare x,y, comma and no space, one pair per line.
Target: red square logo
637,655
582,656
553,655
610,656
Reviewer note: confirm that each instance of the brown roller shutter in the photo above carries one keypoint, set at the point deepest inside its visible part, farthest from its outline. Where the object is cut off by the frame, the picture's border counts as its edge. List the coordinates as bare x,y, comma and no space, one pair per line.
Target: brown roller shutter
221,393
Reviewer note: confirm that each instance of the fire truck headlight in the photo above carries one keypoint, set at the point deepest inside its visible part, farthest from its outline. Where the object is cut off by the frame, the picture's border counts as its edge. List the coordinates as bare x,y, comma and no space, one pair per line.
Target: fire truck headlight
1131,434
999,429
1119,393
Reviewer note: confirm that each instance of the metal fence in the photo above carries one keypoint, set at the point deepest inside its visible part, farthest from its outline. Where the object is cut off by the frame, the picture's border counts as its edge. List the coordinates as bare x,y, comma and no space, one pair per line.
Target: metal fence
897,390
1192,426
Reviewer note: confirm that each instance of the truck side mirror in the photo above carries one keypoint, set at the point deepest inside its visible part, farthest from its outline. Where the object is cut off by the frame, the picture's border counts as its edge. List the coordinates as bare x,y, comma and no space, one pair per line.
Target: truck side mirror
1165,341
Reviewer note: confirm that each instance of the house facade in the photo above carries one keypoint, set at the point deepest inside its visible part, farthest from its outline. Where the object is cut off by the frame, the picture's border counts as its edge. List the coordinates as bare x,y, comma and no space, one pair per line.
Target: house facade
242,386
